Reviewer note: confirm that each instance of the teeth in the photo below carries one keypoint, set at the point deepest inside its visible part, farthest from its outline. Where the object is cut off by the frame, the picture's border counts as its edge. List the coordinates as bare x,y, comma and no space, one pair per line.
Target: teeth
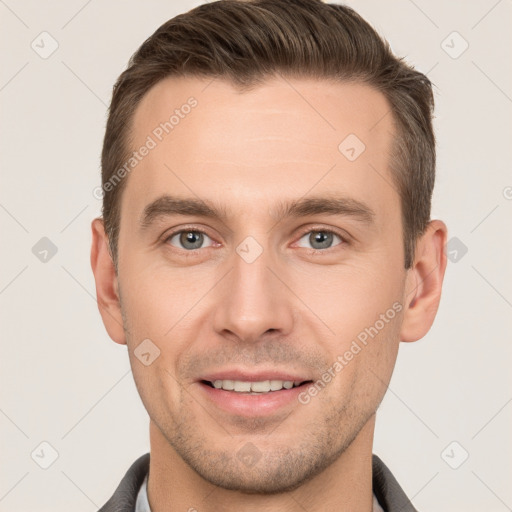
263,386
275,385
242,387
227,384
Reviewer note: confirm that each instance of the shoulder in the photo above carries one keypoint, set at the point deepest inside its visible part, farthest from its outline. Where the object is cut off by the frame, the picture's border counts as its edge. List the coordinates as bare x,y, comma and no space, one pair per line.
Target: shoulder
125,496
388,491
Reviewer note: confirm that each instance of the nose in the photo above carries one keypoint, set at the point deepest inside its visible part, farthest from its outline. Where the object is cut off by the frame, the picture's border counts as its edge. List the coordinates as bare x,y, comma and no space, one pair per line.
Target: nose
253,301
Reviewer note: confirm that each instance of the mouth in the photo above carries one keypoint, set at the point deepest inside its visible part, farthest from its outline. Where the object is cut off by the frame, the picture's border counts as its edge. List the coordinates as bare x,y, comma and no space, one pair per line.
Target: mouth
249,395
255,387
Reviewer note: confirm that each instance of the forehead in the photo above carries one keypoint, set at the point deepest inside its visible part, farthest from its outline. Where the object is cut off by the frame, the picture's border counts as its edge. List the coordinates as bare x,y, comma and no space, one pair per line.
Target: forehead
281,139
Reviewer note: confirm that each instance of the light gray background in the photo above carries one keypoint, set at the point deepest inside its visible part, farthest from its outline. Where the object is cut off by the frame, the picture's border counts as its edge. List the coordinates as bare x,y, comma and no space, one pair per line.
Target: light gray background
65,382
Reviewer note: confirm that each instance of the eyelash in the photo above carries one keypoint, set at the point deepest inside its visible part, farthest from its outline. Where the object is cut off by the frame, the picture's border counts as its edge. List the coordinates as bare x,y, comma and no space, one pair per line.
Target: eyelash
344,239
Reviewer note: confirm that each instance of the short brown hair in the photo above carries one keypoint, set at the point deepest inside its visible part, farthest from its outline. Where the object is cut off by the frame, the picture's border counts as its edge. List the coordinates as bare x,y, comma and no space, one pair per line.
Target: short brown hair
248,41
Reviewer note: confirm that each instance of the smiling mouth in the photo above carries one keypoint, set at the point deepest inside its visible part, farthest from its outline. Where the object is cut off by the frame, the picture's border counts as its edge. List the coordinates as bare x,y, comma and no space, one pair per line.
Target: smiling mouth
254,388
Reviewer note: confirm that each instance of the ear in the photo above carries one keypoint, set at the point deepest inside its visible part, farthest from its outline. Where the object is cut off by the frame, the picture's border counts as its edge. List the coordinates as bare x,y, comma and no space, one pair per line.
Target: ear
424,282
107,294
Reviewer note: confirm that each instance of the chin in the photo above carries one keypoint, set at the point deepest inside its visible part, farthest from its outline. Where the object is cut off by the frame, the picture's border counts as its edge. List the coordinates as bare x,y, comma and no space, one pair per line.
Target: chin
276,470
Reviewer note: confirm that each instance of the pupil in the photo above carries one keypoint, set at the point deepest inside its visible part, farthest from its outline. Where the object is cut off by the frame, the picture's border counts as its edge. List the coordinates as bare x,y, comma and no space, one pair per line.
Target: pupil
322,238
192,237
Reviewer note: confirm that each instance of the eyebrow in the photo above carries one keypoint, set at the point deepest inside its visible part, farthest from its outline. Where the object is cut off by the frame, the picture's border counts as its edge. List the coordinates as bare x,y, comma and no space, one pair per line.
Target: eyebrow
168,205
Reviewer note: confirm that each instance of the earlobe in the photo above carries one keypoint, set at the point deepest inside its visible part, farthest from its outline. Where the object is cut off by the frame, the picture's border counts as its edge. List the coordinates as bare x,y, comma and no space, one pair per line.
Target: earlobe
424,282
106,283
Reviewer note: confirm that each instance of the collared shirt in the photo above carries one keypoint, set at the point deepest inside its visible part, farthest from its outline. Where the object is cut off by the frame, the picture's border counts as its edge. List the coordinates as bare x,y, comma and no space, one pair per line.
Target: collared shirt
142,504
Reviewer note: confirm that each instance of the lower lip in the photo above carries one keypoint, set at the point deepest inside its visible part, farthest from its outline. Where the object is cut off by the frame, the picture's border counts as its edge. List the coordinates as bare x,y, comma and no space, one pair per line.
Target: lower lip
246,404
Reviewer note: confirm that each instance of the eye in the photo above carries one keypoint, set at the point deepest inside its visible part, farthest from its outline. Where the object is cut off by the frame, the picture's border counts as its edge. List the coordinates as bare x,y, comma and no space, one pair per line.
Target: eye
320,239
189,239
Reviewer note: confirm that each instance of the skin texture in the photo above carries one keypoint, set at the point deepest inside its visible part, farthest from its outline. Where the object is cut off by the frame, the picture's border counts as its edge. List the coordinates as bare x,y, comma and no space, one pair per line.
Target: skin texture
293,308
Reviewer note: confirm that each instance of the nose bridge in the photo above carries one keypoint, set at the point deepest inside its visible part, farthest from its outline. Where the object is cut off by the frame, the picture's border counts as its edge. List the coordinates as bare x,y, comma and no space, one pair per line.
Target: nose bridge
253,300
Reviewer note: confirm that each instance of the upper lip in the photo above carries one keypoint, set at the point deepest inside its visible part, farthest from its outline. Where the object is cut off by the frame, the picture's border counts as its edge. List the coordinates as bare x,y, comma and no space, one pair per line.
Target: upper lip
252,376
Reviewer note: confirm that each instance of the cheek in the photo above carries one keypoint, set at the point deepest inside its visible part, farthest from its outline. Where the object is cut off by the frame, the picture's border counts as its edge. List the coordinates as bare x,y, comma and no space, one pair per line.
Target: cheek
360,311
350,298
154,343
155,300
157,387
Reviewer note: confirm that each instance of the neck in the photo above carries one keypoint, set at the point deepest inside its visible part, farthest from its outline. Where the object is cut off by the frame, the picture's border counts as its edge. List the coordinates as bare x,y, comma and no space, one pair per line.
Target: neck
346,485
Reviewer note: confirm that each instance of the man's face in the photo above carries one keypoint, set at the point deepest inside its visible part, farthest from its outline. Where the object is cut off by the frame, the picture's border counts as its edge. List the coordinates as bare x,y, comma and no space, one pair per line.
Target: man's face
257,295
